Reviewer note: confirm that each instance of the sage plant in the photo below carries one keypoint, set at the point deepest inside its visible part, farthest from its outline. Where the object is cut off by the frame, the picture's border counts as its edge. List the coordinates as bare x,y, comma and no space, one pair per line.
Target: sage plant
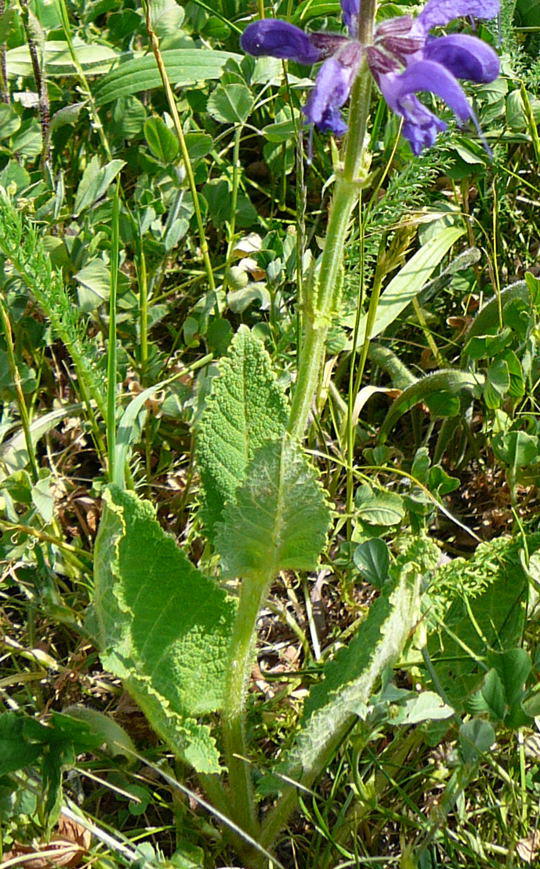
181,645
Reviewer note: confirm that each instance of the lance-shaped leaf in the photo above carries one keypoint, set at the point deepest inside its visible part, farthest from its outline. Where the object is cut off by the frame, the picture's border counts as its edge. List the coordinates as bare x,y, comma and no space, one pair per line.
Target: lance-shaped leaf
350,678
185,66
162,626
245,408
279,517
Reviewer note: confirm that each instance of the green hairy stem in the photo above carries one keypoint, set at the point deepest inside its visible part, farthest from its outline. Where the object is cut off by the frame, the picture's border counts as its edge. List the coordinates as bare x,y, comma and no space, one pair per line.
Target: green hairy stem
322,297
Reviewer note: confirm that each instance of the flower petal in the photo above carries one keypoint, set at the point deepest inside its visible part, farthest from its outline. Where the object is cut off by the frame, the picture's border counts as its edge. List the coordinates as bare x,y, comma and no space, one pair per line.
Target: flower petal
426,75
351,11
332,87
437,13
279,39
421,126
465,56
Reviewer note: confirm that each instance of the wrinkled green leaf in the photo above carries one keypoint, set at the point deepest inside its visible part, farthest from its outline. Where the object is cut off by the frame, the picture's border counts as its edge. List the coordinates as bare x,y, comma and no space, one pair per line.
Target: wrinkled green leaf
278,519
161,625
245,408
349,679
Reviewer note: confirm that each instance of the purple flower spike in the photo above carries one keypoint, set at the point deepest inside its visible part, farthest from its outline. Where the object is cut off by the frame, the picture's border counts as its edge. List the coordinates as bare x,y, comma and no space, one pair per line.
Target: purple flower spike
404,61
279,39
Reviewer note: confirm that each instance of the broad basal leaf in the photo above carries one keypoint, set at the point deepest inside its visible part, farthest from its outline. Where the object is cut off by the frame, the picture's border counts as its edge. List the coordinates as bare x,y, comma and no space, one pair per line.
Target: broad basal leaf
279,517
246,408
162,626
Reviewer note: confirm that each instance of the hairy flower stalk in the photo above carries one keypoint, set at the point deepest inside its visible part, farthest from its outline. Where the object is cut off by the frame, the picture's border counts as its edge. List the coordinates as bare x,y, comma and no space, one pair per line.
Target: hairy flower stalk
404,60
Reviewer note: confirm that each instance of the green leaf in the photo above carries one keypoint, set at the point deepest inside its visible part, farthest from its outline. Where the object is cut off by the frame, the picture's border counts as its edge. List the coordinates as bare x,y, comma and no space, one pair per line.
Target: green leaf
198,145
426,706
486,598
309,9
493,694
94,285
166,16
185,66
9,121
245,408
443,404
350,678
497,383
372,559
96,59
107,731
410,280
452,381
475,738
15,752
513,668
162,626
43,499
487,320
379,508
95,182
279,517
161,140
517,449
129,430
13,452
231,104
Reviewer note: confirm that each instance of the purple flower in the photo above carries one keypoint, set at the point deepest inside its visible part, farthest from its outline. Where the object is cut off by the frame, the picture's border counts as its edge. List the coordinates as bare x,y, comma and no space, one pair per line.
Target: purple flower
404,60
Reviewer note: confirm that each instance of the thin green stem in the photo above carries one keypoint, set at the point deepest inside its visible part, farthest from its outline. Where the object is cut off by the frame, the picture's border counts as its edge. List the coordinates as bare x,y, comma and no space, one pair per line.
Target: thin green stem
21,401
112,343
252,594
321,303
370,322
4,90
231,229
322,298
154,42
33,38
142,277
350,433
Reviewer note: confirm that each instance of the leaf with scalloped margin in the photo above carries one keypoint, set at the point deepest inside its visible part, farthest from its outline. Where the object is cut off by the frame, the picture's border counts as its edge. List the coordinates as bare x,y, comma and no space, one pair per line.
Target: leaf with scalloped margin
279,517
163,627
246,407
